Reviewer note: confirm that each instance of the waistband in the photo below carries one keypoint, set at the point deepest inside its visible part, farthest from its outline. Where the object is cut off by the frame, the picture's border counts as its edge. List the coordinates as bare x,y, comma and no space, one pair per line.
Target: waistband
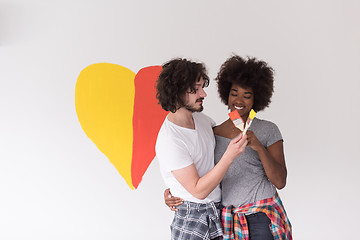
201,206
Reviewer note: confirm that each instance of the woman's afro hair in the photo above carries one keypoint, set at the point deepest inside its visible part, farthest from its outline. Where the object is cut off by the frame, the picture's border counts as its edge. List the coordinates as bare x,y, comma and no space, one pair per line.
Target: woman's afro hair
247,73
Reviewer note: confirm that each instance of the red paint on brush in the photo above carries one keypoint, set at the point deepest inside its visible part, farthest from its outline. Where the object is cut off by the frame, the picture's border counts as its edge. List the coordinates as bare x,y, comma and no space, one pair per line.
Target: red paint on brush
234,115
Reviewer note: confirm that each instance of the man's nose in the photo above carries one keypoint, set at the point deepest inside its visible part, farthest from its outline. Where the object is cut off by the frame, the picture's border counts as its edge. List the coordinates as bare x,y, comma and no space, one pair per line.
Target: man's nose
202,93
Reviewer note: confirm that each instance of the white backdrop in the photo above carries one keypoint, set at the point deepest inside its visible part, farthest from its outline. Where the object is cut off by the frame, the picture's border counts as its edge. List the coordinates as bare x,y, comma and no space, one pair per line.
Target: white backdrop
55,183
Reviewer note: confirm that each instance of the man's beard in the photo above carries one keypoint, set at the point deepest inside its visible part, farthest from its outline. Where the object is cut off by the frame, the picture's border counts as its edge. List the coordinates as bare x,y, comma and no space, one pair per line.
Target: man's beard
193,109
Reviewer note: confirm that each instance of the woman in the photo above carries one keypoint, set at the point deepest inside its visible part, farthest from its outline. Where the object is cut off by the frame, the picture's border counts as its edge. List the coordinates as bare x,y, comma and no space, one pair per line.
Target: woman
253,208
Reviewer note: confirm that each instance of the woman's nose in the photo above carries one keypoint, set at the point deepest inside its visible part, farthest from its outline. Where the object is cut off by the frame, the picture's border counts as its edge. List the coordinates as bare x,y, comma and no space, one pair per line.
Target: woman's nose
238,100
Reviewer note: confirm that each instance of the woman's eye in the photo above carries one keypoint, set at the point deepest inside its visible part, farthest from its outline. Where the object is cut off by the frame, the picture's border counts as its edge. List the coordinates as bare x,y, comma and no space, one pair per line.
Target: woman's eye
234,95
247,97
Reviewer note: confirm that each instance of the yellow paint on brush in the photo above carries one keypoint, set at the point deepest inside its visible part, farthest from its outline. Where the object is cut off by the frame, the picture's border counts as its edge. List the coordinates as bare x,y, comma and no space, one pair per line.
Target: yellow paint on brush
104,101
252,114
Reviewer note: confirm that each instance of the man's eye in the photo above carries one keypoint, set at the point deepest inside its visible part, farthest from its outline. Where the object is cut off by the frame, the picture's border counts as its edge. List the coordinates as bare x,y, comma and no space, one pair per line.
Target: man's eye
246,97
192,91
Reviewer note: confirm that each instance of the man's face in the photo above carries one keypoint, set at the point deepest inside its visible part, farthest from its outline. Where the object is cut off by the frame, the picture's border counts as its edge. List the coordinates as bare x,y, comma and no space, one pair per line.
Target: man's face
194,100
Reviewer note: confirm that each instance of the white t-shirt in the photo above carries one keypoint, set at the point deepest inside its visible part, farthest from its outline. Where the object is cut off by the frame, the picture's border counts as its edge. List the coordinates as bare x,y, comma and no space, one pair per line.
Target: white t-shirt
178,147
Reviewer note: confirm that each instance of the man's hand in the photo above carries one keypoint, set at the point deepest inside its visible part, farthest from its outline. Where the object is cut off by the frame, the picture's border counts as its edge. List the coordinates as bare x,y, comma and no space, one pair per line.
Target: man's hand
171,201
236,146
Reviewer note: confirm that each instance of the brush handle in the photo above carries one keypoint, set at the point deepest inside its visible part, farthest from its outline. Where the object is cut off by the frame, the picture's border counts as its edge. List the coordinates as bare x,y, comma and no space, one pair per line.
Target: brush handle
240,126
247,127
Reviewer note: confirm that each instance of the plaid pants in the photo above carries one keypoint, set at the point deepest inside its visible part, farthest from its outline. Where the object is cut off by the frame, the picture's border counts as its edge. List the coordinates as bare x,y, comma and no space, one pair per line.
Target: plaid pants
197,221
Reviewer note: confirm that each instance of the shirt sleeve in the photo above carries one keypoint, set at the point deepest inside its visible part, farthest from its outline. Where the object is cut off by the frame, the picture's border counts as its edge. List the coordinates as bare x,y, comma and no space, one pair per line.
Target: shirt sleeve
173,154
274,134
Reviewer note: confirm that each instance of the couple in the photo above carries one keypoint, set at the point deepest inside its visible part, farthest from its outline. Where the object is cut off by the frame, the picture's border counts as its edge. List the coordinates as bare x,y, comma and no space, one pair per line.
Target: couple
250,167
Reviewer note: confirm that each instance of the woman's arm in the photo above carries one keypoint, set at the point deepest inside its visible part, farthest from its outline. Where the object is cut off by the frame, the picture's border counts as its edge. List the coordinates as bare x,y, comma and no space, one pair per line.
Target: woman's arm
172,201
272,159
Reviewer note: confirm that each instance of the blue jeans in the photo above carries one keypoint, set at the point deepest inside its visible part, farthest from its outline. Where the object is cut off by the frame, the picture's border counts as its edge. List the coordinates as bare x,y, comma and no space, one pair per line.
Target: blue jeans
259,226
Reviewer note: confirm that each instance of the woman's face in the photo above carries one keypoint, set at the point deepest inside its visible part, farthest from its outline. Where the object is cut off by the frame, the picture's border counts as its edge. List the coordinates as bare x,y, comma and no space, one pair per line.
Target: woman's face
241,99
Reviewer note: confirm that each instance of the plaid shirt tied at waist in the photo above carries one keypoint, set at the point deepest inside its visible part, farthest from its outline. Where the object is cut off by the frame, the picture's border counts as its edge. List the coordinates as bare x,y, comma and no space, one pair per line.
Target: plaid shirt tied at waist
235,225
197,221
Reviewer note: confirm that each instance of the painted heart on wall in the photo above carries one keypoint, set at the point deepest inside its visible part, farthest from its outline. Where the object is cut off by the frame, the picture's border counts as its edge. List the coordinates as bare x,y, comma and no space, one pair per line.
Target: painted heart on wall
118,111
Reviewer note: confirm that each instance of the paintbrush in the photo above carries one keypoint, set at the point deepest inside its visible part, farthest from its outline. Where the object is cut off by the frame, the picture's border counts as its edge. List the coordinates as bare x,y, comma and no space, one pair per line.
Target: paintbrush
249,120
237,120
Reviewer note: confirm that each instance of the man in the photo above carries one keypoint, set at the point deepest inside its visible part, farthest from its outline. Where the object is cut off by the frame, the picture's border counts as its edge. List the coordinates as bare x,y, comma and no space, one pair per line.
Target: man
185,149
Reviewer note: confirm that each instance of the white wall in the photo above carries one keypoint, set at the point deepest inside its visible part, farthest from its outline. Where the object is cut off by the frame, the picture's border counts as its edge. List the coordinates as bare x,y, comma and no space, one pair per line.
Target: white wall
55,183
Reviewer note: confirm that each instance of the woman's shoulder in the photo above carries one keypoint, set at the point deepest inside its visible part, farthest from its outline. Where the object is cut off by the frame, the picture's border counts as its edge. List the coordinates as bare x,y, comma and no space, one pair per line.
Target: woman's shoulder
266,131
264,123
226,130
219,129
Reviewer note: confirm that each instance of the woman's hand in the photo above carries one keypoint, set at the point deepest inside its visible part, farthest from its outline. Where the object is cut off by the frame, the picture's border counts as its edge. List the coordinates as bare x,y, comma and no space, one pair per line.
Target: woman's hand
253,141
171,201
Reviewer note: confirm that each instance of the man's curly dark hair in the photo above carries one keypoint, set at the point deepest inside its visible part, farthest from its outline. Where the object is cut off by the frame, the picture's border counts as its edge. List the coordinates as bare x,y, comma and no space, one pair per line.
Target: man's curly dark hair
249,72
177,76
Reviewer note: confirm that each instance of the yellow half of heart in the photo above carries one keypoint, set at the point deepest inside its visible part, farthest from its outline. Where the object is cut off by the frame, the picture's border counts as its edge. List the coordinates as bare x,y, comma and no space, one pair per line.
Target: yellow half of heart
104,101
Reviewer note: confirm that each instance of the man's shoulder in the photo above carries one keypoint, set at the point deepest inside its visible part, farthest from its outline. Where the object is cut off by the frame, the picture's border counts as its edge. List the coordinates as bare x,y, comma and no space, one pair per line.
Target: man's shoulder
166,130
169,139
170,132
201,115
204,118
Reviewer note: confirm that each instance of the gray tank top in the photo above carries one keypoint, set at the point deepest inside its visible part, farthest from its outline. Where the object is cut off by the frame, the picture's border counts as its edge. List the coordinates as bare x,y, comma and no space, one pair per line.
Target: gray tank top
245,181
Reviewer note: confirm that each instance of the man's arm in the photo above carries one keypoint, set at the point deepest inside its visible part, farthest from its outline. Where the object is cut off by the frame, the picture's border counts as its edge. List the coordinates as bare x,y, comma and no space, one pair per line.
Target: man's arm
201,187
